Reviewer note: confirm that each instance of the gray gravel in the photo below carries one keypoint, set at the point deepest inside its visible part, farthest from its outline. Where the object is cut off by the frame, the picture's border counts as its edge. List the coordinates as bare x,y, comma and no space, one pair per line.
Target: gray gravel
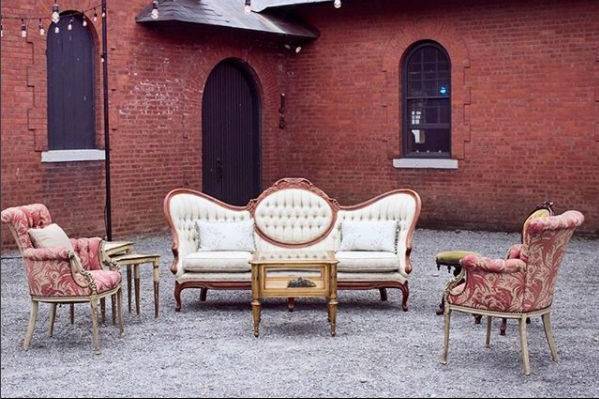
208,349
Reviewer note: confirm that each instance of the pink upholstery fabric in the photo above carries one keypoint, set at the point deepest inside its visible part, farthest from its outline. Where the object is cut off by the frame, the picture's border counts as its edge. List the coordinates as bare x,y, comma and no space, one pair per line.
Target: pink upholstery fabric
88,250
23,218
50,272
516,251
524,283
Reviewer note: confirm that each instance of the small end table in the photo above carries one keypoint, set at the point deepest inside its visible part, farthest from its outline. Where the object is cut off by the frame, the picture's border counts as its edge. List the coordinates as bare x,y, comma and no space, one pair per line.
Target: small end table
294,275
135,260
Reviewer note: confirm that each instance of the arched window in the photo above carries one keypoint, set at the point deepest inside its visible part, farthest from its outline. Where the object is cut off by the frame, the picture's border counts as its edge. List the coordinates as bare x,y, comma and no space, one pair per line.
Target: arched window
427,102
71,81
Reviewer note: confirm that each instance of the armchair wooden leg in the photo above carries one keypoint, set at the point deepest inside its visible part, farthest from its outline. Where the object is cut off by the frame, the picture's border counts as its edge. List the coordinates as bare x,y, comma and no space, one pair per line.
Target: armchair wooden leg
550,338
383,292
446,339
119,305
31,325
203,294
95,338
488,340
51,320
503,327
524,345
72,313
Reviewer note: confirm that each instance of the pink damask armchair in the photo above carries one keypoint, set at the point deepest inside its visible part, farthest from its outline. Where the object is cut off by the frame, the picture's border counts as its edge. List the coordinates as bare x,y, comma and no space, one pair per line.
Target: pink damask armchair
60,275
518,287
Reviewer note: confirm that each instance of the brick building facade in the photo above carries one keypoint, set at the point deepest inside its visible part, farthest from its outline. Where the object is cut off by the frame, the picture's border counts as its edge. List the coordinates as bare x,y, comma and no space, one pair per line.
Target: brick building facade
524,110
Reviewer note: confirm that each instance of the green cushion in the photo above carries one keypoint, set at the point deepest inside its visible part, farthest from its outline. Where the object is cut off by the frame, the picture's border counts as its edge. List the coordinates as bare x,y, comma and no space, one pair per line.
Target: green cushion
452,257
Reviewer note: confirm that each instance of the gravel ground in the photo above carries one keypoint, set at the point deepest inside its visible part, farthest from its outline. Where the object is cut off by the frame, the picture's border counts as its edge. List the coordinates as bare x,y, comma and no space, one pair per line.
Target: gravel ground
208,349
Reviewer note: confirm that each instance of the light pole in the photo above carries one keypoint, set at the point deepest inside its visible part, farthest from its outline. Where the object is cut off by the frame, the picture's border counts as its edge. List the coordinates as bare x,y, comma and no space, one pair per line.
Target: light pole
106,121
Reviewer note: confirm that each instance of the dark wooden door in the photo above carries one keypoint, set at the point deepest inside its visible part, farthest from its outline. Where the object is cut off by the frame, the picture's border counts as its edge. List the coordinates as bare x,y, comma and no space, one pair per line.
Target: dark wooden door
231,134
71,104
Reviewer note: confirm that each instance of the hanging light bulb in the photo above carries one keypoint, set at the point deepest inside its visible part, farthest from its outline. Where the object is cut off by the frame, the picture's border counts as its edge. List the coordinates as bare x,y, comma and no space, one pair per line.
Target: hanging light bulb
337,3
23,29
56,29
41,28
70,25
95,16
154,13
55,13
248,6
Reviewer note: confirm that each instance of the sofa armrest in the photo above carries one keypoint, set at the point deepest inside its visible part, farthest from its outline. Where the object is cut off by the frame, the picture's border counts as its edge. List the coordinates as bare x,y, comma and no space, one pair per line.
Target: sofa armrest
478,263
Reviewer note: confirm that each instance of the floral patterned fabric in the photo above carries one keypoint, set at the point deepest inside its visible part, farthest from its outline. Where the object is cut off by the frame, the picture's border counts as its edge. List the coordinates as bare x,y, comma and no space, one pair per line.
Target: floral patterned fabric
526,280
52,272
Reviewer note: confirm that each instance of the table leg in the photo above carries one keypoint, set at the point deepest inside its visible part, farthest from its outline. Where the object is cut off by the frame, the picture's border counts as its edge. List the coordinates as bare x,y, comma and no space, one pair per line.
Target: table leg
291,304
256,299
136,279
113,308
333,300
103,309
156,279
129,286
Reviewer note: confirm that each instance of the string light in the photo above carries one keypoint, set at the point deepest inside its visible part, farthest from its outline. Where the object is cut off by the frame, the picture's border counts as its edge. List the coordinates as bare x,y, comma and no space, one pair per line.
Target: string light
70,25
55,13
1,30
84,23
337,3
154,13
248,6
56,29
23,29
95,16
41,28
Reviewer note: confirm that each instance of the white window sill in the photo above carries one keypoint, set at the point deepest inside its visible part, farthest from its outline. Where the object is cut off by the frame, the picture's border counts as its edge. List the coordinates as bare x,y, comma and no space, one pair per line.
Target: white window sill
425,163
73,155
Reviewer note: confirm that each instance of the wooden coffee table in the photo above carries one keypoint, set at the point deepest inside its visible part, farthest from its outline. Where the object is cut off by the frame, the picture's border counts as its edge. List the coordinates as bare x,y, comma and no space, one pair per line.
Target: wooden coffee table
294,275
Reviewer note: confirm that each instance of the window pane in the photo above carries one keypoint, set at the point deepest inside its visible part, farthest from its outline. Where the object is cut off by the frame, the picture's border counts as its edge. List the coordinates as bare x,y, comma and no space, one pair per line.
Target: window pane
431,142
427,96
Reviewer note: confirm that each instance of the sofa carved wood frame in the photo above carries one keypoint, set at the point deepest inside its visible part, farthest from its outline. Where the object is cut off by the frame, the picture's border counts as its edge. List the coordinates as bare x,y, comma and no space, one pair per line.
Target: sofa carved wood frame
303,184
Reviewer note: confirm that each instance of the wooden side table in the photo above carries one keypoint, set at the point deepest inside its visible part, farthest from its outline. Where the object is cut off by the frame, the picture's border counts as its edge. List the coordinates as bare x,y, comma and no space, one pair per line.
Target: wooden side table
133,260
289,275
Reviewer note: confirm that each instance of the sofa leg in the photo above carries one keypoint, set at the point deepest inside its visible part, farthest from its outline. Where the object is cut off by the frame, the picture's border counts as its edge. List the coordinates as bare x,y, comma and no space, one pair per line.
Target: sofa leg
203,294
383,292
291,304
406,293
177,293
503,327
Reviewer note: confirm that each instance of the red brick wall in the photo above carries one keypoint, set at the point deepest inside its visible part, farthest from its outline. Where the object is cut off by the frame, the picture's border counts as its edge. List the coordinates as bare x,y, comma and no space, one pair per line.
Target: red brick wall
525,100
525,110
156,83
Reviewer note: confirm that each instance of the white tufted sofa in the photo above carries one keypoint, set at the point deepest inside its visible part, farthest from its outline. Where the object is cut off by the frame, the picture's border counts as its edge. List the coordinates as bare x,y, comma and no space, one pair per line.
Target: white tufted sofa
292,215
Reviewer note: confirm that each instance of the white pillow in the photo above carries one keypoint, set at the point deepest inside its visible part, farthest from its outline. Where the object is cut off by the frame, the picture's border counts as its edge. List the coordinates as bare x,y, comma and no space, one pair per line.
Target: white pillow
51,236
226,236
368,236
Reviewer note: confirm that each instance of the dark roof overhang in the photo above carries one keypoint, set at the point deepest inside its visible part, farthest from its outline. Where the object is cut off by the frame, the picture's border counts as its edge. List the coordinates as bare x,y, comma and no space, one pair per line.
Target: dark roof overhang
228,14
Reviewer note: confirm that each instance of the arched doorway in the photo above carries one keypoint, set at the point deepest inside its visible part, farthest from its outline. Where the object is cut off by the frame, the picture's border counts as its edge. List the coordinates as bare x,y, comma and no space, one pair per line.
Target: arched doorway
231,134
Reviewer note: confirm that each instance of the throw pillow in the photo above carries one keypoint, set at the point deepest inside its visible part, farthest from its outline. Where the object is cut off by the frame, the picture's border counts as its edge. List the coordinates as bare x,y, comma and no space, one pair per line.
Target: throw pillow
51,236
226,236
368,236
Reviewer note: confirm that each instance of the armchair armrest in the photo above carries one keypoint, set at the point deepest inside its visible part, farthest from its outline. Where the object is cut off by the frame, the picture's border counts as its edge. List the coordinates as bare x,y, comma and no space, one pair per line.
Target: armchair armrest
45,254
478,263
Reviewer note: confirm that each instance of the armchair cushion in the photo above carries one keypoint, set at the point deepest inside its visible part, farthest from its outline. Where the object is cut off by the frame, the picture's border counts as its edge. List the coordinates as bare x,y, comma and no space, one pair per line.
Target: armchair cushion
217,262
367,261
105,280
50,236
